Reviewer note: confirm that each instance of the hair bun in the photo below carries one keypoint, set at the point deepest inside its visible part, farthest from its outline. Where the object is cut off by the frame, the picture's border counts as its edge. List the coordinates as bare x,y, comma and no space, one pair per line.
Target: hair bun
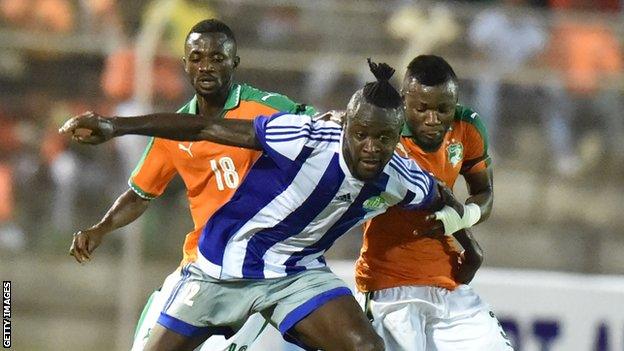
381,93
381,71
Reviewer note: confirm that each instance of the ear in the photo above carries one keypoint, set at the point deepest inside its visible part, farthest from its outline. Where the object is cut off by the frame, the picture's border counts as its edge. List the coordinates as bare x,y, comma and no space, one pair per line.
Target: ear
236,61
184,64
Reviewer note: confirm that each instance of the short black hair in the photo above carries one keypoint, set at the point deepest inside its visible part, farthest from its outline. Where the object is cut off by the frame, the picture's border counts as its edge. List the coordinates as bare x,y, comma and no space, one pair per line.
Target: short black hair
430,70
212,25
381,93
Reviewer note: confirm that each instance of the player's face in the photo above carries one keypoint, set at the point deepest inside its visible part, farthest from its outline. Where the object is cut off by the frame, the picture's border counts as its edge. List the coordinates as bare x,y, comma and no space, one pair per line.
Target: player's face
210,60
369,141
429,111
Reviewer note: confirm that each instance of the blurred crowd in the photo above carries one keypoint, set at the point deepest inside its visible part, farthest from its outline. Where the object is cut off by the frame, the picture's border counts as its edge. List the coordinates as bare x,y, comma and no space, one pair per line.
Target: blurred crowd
552,65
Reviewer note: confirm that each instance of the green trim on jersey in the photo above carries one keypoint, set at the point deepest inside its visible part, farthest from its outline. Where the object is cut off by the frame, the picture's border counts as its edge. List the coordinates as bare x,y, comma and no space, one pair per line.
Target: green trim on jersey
233,97
148,148
231,102
274,100
143,194
244,92
466,114
190,107
406,131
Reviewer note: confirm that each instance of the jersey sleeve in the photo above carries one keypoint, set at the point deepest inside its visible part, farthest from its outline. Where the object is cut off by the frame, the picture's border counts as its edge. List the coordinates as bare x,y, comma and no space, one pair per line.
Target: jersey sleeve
419,186
284,136
476,157
153,172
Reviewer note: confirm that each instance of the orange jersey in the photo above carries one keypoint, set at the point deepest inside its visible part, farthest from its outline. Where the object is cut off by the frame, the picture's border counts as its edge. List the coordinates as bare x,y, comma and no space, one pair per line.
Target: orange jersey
211,172
391,254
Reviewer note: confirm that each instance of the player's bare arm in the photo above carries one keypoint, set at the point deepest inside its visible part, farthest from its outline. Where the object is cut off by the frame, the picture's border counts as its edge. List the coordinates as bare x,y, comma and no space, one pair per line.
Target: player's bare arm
471,258
92,128
481,190
127,208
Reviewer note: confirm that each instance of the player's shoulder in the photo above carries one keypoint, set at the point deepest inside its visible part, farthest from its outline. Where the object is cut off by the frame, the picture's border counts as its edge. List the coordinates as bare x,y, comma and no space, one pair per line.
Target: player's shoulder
312,132
288,119
405,170
292,119
329,124
277,101
400,158
189,107
464,114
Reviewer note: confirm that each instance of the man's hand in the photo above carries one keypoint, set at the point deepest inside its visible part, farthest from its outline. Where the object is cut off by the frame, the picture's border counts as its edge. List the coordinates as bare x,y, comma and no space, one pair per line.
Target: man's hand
85,242
89,128
128,207
470,260
437,228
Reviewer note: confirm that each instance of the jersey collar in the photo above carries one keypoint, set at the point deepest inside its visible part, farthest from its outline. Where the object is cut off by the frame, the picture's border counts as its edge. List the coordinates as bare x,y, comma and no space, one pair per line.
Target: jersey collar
406,131
233,100
193,105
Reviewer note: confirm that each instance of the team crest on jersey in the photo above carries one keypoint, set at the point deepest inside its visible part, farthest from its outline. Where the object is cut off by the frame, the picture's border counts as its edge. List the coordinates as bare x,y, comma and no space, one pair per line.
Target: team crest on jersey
455,153
374,203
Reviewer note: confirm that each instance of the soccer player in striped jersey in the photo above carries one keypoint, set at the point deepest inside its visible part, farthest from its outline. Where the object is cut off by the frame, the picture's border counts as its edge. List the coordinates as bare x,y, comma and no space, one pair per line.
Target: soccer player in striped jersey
210,171
414,286
263,249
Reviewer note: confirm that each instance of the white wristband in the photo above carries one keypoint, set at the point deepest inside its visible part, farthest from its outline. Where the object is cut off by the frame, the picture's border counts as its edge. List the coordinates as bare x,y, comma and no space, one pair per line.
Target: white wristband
472,214
451,220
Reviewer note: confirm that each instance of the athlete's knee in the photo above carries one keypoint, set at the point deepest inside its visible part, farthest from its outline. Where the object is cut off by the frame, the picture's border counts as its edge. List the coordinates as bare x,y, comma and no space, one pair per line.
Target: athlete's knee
377,344
370,342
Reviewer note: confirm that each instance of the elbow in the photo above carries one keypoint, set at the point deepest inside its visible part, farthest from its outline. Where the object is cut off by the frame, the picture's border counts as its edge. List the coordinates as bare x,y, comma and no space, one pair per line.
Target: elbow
489,205
485,200
478,257
485,213
136,200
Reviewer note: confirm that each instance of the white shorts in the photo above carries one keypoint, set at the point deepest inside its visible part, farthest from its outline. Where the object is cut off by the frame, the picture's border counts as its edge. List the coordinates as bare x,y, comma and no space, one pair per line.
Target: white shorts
249,332
419,318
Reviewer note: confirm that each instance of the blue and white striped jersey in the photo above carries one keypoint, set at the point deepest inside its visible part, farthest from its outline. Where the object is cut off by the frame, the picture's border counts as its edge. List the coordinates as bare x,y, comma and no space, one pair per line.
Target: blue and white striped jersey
297,199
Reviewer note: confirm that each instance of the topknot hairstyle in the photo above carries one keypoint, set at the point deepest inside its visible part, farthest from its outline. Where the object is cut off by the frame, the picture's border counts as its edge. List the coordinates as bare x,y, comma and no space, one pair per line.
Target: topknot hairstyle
381,93
212,25
430,70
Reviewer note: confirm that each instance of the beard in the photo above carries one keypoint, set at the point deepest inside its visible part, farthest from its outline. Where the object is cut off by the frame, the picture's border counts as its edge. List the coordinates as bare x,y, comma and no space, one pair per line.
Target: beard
429,145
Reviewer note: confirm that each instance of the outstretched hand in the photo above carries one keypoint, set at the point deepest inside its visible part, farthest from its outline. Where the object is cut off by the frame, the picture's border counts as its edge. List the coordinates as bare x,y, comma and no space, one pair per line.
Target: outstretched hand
88,128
